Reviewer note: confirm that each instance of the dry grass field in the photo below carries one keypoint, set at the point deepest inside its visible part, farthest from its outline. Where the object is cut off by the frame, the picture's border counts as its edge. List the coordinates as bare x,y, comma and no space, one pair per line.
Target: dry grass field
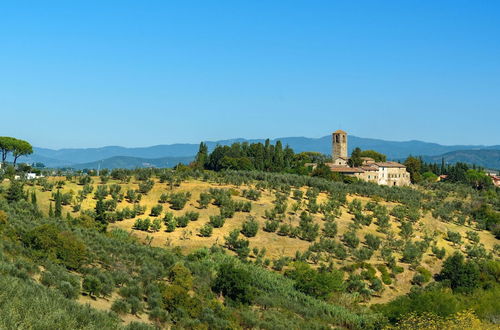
188,238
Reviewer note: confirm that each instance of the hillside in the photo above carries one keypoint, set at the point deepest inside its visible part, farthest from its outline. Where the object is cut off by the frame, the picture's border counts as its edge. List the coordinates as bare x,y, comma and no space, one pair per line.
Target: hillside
156,246
277,245
394,150
488,158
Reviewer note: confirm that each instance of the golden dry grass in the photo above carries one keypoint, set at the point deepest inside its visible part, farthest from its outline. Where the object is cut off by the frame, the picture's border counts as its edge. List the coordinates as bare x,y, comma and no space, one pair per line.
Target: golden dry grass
277,246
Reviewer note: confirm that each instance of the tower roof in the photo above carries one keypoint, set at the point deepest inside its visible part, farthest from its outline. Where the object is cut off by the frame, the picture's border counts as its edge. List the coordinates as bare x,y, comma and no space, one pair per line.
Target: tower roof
339,131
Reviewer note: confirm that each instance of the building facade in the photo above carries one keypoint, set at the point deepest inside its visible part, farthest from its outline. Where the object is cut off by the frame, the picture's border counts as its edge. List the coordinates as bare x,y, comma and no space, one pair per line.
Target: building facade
383,173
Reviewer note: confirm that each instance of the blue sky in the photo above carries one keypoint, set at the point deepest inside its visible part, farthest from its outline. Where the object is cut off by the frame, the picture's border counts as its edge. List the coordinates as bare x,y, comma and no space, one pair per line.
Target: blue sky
138,73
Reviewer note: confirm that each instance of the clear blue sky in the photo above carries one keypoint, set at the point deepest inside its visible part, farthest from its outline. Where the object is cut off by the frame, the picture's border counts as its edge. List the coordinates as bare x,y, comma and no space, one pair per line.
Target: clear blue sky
138,73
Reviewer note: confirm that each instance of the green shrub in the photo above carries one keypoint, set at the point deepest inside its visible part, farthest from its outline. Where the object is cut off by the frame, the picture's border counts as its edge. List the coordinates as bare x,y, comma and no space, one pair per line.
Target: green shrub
217,221
250,227
206,230
120,306
350,239
330,229
271,226
372,241
156,210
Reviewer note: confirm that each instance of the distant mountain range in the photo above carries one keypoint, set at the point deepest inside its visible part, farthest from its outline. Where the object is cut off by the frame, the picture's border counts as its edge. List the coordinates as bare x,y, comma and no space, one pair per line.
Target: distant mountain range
170,155
134,162
488,158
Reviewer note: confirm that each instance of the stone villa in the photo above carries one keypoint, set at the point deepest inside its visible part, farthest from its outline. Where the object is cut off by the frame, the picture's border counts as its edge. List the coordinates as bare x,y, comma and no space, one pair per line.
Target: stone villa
383,173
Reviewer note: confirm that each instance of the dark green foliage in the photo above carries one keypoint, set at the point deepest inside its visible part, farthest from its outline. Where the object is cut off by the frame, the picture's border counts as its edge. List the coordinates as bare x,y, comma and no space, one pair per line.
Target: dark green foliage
350,239
461,275
372,241
473,236
217,221
412,253
156,210
363,254
233,283
436,300
355,159
206,230
454,237
250,227
133,196
406,230
422,276
192,216
182,221
227,210
60,246
320,284
163,198
252,194
120,306
92,285
155,225
142,224
146,186
238,245
330,229
178,200
271,226
58,205
15,191
204,200
307,230
258,156
386,277
438,252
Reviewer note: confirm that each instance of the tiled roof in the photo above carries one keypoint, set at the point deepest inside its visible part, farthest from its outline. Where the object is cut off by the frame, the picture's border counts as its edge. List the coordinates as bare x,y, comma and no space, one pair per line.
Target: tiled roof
339,131
389,164
345,169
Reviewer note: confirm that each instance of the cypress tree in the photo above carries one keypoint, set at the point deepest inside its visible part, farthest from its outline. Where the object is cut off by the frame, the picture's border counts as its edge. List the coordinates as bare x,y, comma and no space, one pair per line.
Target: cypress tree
33,198
51,211
100,214
201,159
58,207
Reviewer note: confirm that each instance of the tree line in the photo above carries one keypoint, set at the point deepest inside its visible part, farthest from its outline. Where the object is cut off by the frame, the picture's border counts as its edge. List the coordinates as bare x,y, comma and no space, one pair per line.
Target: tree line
256,156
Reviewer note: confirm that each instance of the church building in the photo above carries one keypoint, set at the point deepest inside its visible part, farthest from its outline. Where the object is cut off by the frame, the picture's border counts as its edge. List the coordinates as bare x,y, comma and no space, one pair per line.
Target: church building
383,173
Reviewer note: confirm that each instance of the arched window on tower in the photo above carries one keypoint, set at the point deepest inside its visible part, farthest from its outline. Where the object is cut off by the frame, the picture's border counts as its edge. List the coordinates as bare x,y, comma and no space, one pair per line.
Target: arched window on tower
343,136
337,138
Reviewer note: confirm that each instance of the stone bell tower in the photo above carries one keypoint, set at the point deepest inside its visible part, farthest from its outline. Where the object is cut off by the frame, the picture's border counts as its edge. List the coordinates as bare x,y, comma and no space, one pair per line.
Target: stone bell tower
339,145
